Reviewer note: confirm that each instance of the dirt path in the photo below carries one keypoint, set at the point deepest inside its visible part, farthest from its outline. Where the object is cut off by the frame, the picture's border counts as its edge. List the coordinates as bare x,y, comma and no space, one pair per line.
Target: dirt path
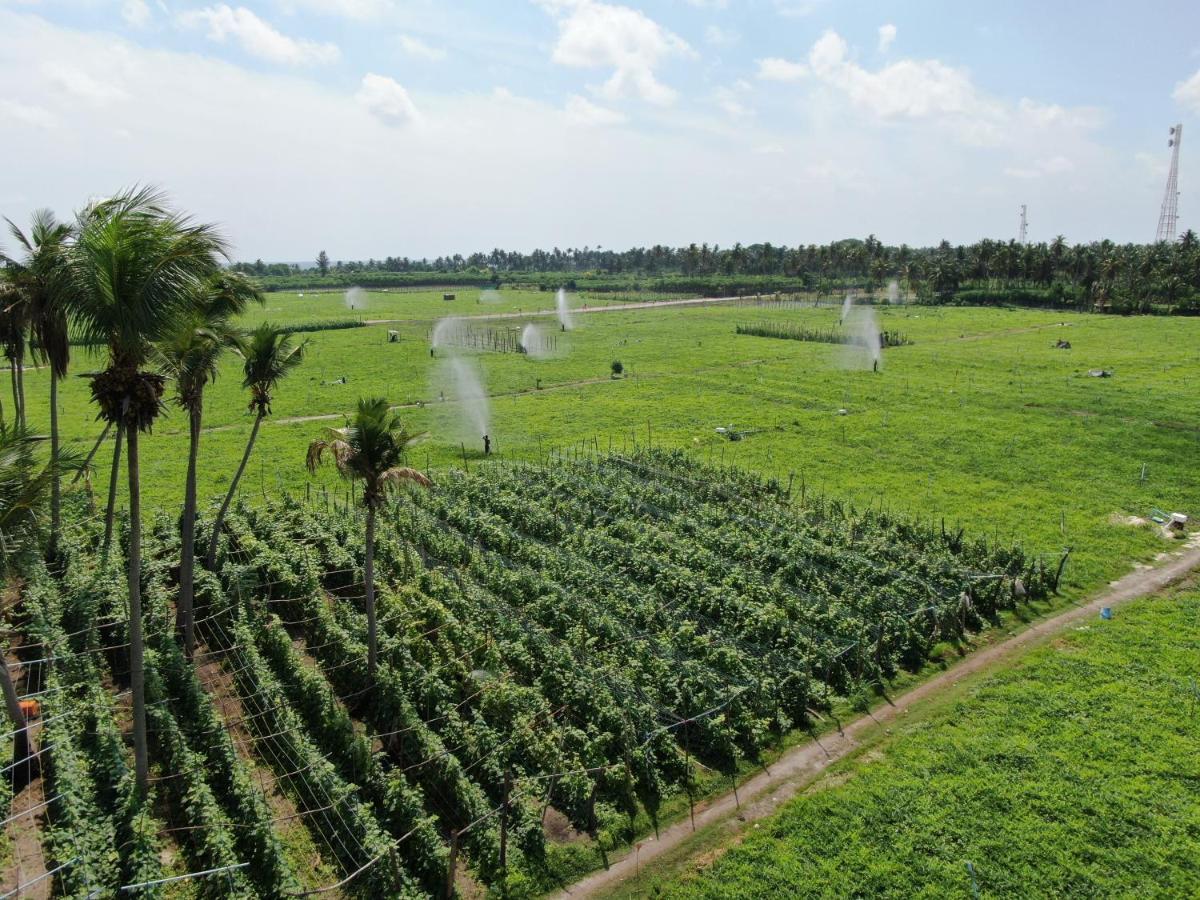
583,310
763,794
28,814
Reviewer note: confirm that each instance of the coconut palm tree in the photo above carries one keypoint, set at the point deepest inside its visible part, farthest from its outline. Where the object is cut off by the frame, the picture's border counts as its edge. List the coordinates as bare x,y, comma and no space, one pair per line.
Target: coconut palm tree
190,354
370,449
40,279
14,324
268,355
135,267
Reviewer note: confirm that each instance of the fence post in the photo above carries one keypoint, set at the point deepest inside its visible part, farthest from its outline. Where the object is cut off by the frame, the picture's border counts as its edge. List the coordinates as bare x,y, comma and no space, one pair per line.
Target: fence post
504,825
451,865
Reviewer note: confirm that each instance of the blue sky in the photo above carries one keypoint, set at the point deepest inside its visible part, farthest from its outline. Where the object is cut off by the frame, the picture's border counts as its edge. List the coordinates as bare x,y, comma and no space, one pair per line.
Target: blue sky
376,127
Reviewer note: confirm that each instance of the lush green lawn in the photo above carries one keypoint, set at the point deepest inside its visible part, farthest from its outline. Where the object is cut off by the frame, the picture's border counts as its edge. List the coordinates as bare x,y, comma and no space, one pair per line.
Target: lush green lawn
979,420
1075,773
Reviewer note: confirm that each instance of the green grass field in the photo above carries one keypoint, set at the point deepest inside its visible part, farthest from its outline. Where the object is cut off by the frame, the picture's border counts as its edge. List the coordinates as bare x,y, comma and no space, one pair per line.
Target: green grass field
1073,773
979,421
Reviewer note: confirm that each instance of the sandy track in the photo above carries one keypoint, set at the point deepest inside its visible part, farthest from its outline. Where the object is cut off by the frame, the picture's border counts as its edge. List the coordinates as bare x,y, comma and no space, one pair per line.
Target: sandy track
582,310
765,792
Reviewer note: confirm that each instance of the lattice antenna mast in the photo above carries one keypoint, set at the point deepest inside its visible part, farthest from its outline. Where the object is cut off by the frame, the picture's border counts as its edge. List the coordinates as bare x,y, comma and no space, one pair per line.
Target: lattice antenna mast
1023,231
1168,218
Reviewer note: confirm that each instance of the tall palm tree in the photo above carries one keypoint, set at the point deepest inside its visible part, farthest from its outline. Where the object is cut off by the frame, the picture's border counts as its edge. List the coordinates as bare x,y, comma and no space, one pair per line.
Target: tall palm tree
190,354
135,267
370,449
14,323
268,355
41,278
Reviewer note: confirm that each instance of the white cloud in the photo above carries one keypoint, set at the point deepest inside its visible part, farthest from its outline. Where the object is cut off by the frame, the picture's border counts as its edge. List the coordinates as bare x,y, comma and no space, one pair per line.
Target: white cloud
719,37
136,13
909,88
582,111
360,10
1187,93
775,69
257,37
29,115
729,101
1054,165
594,35
1051,115
887,34
418,48
168,116
918,89
78,84
797,9
387,100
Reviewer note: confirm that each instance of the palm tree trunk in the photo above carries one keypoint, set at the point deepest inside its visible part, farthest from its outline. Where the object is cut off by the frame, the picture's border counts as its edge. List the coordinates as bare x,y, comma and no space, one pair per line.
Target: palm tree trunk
112,492
56,482
21,737
137,672
211,559
21,388
12,372
187,534
369,578
91,454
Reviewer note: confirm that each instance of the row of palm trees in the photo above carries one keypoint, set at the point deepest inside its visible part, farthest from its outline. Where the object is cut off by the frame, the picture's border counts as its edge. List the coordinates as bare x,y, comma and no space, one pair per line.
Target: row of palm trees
149,289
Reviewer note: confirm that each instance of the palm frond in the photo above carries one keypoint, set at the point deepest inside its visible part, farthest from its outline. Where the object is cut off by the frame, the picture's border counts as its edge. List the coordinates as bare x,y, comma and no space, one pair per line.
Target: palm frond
371,449
268,356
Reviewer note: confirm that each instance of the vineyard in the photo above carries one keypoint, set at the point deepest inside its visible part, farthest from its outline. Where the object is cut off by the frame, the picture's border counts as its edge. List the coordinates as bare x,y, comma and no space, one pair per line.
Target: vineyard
580,640
793,332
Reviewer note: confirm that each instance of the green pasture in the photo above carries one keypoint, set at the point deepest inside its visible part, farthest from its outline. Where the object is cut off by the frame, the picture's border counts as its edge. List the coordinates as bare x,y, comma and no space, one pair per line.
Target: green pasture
1071,774
979,421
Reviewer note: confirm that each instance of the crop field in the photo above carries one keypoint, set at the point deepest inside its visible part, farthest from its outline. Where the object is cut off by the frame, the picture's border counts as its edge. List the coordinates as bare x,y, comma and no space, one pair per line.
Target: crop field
979,420
664,575
1072,774
578,641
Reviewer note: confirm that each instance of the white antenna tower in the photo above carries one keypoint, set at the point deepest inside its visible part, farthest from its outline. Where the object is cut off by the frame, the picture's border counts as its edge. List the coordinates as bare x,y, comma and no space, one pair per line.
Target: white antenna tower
1168,218
1023,230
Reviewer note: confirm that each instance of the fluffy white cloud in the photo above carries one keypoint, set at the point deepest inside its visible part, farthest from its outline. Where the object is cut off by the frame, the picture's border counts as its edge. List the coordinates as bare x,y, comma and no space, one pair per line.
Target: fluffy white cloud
360,10
416,47
387,100
1052,115
94,89
1054,165
28,115
887,34
593,35
136,13
719,37
775,69
257,37
729,101
1187,93
909,88
124,113
582,111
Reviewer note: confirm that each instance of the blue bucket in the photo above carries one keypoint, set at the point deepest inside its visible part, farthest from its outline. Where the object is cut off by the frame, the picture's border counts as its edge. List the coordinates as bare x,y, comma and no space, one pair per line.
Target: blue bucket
1106,612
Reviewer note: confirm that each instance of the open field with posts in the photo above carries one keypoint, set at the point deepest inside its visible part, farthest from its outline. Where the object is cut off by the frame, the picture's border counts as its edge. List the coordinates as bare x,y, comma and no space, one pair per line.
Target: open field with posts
980,420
